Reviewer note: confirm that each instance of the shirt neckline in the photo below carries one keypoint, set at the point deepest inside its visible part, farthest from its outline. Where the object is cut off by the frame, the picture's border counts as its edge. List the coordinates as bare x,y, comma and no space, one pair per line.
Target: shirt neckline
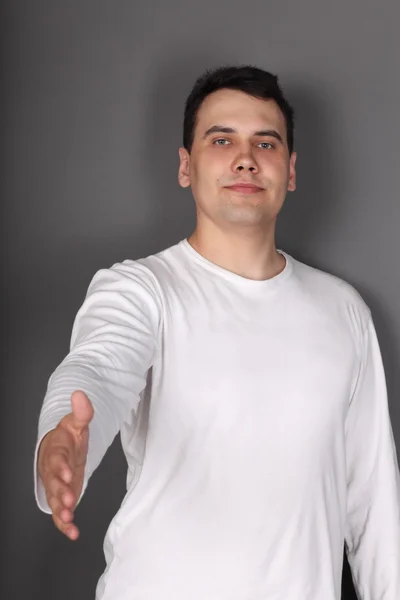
251,284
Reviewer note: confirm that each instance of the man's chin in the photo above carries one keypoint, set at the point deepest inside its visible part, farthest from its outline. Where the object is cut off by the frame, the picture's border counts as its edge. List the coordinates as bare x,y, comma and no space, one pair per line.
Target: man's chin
244,215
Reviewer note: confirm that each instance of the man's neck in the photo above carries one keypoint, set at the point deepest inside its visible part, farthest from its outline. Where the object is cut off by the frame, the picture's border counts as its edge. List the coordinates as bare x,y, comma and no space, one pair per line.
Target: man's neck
251,256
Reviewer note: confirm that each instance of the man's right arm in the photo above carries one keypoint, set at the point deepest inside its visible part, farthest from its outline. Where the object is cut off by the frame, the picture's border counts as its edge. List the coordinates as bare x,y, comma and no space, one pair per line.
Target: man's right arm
113,344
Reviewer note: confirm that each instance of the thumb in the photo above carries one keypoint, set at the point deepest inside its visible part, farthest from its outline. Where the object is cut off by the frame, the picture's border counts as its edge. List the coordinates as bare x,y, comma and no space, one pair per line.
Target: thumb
82,409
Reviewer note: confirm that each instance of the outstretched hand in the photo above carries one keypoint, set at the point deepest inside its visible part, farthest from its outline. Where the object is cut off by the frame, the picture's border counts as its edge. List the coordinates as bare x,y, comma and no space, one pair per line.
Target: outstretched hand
61,462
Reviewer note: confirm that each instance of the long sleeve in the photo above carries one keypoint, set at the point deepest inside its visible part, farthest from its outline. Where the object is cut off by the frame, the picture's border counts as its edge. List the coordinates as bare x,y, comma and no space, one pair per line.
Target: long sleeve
113,344
373,482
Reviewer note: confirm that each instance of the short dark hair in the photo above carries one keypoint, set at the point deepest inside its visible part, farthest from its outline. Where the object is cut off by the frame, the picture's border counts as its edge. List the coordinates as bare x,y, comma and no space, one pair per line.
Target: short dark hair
246,78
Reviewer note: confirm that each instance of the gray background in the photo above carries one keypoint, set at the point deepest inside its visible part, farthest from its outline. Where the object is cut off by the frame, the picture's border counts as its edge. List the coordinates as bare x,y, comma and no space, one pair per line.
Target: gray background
92,107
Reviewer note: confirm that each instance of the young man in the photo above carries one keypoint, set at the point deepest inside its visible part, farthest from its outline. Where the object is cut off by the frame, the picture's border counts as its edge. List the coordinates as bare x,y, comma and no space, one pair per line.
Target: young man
256,380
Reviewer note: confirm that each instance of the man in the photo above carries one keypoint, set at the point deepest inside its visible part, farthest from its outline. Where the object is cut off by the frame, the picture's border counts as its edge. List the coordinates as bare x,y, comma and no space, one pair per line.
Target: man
268,439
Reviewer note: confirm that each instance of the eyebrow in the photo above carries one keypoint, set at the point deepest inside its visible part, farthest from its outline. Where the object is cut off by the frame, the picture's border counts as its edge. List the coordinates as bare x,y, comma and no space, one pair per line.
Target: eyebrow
262,133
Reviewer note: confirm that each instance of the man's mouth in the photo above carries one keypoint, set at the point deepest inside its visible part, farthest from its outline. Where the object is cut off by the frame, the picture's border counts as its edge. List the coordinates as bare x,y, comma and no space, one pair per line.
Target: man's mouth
244,188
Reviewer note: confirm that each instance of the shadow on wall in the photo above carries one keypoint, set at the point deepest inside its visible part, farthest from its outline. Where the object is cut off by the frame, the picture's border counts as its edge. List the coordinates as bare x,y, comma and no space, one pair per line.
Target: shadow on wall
172,208
175,207
312,211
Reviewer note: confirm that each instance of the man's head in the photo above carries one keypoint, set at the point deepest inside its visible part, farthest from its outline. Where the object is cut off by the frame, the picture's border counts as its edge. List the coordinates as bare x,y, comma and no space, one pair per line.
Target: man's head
238,128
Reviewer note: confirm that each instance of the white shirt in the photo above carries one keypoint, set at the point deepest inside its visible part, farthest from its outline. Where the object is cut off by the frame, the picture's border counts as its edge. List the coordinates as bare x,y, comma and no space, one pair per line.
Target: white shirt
255,423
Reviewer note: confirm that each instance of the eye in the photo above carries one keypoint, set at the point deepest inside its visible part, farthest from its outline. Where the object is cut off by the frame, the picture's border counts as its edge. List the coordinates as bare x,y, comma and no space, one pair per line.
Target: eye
267,144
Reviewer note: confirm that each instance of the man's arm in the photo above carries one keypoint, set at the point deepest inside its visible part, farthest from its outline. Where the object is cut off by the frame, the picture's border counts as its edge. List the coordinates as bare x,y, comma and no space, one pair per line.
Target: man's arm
113,344
373,489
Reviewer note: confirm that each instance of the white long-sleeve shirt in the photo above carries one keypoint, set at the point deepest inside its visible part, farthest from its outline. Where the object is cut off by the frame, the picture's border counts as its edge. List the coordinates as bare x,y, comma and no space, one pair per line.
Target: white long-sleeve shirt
255,423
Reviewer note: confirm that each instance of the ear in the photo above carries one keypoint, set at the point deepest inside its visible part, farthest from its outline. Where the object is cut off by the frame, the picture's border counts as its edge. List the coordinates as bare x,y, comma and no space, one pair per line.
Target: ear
292,172
184,168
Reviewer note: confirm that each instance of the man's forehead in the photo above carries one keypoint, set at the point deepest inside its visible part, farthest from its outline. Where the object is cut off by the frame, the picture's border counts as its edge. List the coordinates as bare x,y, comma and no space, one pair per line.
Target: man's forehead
239,111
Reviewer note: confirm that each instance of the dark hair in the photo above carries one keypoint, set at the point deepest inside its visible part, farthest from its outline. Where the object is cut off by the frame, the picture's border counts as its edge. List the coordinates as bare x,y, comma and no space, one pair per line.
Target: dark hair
246,78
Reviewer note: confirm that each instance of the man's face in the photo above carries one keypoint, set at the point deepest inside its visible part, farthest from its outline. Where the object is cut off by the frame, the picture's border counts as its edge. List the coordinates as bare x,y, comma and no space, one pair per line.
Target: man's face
252,149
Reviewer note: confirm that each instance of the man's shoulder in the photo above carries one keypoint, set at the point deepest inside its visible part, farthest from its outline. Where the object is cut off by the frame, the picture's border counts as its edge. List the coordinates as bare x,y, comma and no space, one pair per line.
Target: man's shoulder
149,271
330,289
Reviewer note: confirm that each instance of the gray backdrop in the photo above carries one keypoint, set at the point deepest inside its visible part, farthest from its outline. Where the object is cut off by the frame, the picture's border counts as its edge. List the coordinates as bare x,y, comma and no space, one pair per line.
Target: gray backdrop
92,110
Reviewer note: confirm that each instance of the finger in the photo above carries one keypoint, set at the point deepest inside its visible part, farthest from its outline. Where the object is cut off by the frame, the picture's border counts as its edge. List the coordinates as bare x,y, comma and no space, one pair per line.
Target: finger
68,529
59,511
58,465
63,517
56,488
82,410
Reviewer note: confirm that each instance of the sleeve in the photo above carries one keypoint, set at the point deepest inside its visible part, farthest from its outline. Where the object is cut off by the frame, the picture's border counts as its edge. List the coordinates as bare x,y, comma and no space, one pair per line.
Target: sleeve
114,341
372,537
